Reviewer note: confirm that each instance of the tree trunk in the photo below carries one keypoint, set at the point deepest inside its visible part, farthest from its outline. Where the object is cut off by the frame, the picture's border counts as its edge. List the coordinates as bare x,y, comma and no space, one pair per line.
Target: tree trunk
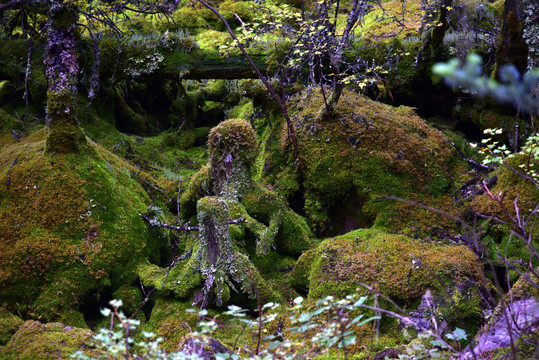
61,70
511,47
433,48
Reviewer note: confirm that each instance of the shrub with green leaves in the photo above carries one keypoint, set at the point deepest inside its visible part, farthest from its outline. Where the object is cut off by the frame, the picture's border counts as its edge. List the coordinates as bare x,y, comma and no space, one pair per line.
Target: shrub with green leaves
520,90
326,329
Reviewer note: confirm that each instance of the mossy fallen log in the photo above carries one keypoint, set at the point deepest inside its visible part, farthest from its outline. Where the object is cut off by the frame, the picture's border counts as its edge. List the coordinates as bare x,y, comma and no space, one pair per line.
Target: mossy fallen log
199,65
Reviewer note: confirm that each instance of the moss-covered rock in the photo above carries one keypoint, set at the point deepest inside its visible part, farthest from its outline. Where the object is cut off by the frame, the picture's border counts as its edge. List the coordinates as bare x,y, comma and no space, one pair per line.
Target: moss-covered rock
349,164
397,266
70,229
35,340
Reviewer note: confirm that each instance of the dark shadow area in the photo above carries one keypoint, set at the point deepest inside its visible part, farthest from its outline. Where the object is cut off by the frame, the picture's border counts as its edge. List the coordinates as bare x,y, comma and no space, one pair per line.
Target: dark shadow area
297,201
92,303
347,215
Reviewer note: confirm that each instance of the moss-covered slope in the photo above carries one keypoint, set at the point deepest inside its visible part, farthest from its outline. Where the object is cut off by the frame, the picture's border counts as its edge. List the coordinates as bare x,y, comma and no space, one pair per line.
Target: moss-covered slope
70,229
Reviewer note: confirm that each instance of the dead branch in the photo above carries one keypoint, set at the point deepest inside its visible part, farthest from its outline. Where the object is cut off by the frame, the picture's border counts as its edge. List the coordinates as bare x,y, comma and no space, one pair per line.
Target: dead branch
9,172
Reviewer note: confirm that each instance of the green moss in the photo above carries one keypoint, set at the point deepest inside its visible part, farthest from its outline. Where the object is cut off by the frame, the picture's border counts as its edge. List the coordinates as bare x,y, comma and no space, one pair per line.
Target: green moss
492,118
398,266
35,340
243,110
273,222
299,278
462,303
9,324
368,151
511,46
8,122
71,226
64,136
128,120
131,298
112,60
256,91
269,221
193,18
199,186
235,137
293,234
515,190
13,59
171,321
212,39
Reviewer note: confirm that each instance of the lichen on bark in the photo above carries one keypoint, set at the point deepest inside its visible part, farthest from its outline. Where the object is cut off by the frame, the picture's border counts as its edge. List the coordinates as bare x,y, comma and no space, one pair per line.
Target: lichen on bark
222,267
61,70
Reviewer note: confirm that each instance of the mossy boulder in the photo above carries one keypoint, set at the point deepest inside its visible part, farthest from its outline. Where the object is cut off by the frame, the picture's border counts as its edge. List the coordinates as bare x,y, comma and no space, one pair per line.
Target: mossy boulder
35,340
70,229
348,165
397,266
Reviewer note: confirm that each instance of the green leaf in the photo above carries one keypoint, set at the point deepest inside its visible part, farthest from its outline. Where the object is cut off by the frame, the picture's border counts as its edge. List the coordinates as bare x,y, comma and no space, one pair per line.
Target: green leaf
349,340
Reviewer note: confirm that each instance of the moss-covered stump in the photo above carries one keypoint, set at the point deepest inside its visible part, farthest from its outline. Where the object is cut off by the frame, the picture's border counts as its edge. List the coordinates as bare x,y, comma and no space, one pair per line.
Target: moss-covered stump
220,265
366,152
397,266
216,269
35,340
70,230
65,135
232,148
229,260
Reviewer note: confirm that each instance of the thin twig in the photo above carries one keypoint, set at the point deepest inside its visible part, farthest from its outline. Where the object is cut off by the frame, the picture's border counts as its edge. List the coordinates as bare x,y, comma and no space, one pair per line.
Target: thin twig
9,172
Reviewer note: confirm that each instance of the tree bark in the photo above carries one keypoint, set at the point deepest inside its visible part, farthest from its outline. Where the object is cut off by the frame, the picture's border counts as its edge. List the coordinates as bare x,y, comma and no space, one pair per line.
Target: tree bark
511,47
61,70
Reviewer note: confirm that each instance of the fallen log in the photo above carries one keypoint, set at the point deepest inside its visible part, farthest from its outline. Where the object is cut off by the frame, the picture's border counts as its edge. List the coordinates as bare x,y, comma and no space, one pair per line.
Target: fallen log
198,67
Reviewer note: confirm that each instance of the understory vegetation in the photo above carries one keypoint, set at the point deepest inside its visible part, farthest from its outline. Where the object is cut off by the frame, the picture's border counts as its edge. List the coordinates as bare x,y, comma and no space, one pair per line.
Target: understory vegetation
277,179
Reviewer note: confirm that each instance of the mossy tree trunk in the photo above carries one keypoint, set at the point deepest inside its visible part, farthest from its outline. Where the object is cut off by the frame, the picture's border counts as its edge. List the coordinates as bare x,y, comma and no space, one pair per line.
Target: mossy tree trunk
433,47
61,70
511,47
216,251
221,266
